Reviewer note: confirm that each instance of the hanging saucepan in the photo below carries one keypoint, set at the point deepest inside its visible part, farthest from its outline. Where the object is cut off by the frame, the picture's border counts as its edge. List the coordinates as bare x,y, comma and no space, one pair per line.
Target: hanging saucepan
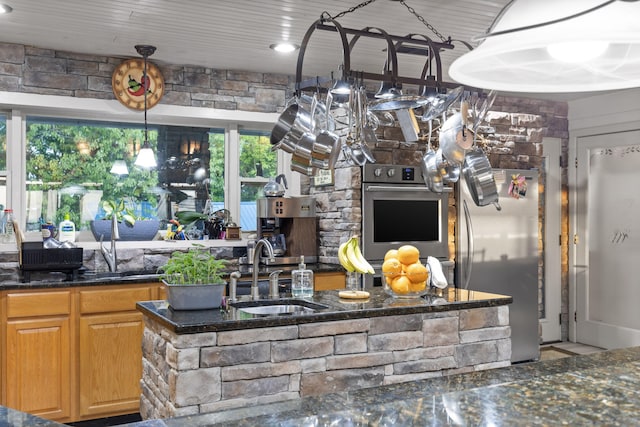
434,179
294,119
430,174
455,139
327,146
479,178
322,120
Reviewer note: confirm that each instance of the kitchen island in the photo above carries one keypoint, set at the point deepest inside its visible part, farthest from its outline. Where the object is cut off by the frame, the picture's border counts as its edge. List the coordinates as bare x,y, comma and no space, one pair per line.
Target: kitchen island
211,360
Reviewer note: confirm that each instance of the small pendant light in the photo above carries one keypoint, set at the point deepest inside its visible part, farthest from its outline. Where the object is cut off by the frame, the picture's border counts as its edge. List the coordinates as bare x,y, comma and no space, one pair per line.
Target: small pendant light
146,157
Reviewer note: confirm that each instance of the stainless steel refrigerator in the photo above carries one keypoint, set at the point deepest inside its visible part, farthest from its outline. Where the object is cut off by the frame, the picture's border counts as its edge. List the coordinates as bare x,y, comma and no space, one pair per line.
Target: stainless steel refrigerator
504,246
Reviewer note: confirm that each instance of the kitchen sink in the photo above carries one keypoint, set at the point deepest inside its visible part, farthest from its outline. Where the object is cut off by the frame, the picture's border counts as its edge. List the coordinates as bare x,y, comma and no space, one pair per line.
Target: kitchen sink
285,307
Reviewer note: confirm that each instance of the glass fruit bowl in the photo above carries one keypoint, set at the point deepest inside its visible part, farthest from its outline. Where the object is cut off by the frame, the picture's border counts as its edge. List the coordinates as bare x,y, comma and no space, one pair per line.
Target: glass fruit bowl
404,285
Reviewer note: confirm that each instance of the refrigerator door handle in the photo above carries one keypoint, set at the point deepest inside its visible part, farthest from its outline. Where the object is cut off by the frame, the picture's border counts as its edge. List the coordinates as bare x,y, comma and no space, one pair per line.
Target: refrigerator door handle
470,248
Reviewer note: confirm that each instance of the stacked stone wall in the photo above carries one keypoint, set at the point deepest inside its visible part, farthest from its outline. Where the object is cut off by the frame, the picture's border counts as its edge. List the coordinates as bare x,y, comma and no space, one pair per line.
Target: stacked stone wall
213,371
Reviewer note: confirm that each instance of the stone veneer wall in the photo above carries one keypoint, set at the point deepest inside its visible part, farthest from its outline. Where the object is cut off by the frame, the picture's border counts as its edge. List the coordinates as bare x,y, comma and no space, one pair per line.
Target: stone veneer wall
206,372
520,125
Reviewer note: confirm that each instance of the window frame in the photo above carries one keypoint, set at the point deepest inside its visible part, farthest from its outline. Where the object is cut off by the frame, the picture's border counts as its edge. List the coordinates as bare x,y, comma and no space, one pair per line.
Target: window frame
17,106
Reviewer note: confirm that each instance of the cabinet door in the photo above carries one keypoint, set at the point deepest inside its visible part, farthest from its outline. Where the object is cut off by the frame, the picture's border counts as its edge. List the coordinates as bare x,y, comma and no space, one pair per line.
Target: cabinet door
38,366
110,363
329,281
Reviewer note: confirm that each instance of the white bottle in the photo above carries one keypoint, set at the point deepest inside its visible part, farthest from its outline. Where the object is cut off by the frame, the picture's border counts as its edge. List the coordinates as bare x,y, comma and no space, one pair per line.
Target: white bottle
8,234
67,230
302,281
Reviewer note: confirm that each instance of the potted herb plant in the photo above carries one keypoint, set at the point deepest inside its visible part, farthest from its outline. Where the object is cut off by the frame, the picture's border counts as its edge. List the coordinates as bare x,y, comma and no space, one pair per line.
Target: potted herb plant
194,279
130,226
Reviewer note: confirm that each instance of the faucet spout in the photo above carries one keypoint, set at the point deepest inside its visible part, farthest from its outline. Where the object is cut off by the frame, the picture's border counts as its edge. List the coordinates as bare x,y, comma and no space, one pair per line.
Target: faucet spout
110,255
260,244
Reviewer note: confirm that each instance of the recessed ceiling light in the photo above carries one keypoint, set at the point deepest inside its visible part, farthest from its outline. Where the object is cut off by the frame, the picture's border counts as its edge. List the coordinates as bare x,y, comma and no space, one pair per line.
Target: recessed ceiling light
284,47
5,8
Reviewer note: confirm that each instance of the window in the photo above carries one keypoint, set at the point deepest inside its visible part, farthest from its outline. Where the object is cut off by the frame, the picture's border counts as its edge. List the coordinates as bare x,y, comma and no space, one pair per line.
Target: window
69,171
70,168
257,163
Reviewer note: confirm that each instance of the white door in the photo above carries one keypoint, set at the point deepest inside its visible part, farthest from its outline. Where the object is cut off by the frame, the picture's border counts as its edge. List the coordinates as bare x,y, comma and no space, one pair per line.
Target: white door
550,319
606,261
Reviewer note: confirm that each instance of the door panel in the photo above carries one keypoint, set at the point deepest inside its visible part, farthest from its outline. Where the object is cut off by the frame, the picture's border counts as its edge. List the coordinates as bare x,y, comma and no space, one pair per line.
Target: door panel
550,320
38,367
608,240
110,363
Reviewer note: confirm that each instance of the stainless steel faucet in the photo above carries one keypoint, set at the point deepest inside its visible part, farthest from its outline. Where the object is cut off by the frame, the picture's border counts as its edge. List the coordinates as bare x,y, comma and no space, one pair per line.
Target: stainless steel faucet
233,286
262,243
110,255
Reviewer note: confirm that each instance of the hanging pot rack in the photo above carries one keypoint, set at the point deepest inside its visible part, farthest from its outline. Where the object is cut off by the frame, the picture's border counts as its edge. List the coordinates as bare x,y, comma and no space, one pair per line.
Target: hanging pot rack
414,44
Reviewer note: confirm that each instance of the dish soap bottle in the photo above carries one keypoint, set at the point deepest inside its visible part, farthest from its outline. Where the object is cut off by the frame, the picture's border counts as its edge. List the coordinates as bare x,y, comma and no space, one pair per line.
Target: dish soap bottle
67,230
302,281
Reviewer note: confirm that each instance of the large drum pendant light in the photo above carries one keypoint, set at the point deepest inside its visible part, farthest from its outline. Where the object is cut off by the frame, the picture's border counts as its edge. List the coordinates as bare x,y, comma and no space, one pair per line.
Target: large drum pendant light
557,46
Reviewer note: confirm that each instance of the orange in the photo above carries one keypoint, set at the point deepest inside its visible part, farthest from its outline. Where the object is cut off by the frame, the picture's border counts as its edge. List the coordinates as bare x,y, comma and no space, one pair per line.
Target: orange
417,287
408,254
417,272
391,253
391,268
400,285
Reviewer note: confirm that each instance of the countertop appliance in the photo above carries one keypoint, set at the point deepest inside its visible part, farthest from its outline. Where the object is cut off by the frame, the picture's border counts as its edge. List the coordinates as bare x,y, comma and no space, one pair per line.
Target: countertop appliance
289,223
398,209
503,245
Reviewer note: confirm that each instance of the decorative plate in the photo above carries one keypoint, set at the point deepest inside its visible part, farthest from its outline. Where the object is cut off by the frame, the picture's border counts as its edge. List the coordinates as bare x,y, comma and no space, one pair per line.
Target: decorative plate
129,84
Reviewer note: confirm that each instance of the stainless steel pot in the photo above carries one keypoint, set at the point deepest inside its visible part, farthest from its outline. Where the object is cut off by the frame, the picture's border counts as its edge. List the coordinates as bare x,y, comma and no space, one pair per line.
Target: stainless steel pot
293,117
479,178
432,178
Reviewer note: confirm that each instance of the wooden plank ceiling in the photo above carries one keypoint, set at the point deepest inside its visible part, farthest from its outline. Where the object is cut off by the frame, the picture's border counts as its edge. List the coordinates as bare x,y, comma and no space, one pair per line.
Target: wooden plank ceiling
236,34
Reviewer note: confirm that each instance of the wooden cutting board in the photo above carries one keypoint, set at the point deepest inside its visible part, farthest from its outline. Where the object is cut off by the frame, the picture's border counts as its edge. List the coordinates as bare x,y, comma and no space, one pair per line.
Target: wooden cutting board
353,294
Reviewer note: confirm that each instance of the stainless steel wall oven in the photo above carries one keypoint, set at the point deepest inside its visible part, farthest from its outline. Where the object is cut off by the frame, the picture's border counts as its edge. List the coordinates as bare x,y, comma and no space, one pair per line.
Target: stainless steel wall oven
399,209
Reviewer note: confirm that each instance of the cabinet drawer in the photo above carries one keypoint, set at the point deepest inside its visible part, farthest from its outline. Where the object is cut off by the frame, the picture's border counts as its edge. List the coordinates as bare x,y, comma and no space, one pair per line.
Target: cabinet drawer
24,304
113,299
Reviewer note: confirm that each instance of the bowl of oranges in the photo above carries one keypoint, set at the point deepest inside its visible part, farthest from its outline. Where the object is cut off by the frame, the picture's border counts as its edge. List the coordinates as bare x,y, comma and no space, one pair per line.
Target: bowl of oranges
404,275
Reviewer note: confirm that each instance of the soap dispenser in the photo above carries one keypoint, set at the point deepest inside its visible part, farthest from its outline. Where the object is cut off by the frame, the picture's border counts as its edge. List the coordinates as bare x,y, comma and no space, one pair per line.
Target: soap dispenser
302,281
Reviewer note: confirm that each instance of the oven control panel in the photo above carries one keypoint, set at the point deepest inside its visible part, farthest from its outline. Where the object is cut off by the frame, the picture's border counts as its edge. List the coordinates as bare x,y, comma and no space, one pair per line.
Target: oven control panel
397,174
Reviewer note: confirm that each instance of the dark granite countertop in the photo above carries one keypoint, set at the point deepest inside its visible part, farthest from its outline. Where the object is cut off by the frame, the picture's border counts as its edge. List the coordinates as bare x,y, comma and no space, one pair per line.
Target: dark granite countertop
12,418
597,389
89,278
378,304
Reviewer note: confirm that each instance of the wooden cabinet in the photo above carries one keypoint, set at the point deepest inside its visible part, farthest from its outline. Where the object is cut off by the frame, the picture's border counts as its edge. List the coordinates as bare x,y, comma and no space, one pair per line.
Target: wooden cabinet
37,360
73,354
329,280
110,350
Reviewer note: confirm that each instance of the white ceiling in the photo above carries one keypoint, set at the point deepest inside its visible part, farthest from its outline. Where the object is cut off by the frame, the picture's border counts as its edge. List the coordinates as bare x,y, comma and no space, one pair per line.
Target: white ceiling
236,34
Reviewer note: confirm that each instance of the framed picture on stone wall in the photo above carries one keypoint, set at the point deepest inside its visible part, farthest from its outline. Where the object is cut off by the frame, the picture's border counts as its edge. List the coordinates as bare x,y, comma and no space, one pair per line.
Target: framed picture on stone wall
323,177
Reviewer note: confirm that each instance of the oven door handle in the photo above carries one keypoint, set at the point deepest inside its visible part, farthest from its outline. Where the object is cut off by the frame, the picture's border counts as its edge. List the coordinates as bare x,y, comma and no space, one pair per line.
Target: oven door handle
401,188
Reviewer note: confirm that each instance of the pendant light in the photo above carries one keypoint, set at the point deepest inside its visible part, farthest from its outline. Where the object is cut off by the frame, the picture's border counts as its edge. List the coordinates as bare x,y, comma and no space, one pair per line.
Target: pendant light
120,168
557,46
146,157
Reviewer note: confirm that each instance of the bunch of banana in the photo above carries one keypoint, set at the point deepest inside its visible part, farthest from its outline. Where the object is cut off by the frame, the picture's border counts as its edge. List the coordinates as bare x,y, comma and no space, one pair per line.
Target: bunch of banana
351,258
